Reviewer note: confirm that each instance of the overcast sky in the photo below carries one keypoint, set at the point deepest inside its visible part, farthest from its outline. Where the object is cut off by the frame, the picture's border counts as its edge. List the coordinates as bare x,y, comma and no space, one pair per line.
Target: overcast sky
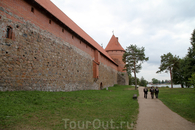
161,26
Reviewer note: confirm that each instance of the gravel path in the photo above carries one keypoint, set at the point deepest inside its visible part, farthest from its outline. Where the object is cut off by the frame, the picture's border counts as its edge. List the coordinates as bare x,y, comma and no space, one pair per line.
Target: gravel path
154,115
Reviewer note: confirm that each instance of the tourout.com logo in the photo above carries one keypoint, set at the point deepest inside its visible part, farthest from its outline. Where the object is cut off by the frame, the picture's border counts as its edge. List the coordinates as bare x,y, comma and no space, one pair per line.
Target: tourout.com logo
97,124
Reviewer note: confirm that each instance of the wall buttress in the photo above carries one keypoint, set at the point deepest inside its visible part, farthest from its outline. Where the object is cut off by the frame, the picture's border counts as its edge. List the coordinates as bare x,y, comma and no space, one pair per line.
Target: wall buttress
96,63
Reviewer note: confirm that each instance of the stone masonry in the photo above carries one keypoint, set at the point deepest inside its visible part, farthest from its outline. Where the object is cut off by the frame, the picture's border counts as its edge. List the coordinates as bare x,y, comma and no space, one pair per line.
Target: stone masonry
36,59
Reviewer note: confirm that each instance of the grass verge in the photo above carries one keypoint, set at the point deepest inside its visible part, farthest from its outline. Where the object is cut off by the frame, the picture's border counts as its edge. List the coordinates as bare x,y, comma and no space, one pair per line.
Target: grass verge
179,100
56,110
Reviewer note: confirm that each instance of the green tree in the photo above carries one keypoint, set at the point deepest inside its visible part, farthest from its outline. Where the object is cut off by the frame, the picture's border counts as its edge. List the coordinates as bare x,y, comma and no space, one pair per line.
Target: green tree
192,80
163,82
133,80
159,82
166,81
134,57
191,57
168,61
130,79
191,52
143,82
155,81
180,73
186,67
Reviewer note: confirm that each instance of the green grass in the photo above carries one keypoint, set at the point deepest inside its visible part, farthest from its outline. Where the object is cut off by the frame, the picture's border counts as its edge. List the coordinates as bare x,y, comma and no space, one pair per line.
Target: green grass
48,110
179,100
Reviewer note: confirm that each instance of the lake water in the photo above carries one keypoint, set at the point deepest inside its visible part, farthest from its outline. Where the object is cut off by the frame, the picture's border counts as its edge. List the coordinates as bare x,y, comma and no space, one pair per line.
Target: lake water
164,85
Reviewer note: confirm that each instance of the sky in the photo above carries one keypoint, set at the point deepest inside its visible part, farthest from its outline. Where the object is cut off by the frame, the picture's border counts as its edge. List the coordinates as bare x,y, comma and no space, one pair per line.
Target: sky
160,26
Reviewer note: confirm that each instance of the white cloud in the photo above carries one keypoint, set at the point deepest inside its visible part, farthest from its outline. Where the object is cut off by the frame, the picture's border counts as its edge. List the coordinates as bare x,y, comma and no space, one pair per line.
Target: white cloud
149,72
160,26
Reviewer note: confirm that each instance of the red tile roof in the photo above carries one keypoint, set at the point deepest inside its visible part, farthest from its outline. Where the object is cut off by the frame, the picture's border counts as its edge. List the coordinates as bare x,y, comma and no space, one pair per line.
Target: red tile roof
114,45
55,11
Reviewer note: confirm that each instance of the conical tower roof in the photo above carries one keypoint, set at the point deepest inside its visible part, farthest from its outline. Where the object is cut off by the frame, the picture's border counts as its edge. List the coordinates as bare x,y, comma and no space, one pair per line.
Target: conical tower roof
114,45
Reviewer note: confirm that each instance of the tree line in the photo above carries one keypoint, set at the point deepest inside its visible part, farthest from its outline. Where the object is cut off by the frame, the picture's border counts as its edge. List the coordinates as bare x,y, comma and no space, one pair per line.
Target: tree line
156,81
182,70
143,82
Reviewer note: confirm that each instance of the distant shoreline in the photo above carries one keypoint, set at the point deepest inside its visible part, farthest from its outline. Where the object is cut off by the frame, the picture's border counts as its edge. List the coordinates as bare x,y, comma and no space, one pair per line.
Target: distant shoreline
164,85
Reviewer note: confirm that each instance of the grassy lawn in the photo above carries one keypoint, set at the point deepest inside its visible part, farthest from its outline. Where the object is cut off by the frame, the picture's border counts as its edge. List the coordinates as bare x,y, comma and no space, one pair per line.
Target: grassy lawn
59,110
179,100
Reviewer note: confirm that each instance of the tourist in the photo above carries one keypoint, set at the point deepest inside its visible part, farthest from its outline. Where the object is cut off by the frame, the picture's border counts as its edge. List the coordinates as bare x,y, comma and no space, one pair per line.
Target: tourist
145,92
152,92
156,92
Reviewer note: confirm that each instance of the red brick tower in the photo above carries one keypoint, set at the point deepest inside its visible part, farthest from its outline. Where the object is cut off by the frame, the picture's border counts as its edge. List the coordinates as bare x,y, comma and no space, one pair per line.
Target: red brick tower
116,51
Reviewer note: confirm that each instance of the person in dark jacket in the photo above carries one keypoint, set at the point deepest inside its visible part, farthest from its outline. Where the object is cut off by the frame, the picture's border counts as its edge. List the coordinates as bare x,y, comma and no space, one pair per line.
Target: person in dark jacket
156,92
145,92
152,92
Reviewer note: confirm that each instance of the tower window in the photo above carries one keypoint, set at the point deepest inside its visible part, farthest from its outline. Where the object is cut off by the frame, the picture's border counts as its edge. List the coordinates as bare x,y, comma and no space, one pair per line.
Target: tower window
62,30
9,32
32,9
50,21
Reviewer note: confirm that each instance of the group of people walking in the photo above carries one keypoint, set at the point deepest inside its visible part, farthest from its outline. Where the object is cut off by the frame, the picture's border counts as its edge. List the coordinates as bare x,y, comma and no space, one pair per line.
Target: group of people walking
152,91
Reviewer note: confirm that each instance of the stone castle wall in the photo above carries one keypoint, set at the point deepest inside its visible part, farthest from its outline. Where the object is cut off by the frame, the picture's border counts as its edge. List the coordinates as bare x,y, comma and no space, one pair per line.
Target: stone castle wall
37,59
122,78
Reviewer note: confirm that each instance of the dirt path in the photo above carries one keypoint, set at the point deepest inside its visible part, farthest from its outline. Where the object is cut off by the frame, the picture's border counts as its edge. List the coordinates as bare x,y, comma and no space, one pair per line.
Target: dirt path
154,115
